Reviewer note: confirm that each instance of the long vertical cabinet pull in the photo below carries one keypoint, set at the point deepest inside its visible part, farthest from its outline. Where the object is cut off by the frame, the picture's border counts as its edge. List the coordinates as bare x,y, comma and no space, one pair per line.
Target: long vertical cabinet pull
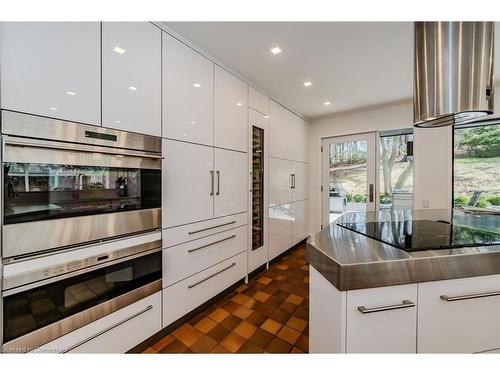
292,180
218,183
211,183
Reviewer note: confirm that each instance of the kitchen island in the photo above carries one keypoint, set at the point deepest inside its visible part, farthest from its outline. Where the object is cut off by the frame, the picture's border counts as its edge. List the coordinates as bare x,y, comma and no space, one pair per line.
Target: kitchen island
367,295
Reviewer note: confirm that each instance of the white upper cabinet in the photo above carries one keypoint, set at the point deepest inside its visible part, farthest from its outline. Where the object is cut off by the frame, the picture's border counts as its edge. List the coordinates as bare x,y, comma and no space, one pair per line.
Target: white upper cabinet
258,101
131,77
300,140
187,93
52,69
231,111
231,182
187,183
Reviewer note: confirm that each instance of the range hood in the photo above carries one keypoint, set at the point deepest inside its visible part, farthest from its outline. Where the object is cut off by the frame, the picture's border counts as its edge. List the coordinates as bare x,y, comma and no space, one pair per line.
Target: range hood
453,83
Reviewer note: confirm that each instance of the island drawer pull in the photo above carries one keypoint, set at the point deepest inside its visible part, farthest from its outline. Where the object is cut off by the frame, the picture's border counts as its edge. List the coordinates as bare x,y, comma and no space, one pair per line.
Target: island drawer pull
210,244
366,310
100,333
214,227
209,277
446,298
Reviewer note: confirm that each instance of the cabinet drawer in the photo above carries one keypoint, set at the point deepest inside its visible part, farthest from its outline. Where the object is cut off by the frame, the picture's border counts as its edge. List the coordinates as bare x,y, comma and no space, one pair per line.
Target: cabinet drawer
181,298
184,233
184,260
115,333
382,320
459,316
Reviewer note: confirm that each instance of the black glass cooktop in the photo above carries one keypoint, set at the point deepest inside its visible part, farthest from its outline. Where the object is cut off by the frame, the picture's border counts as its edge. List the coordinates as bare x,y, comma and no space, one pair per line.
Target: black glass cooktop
414,235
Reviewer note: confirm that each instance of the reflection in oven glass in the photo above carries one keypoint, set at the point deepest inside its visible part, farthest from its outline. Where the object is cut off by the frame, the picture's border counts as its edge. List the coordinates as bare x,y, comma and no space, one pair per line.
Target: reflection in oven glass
48,191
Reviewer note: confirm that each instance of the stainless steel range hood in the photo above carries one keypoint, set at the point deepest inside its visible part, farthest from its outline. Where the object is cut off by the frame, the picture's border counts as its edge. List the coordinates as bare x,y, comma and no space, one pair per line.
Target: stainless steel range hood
453,81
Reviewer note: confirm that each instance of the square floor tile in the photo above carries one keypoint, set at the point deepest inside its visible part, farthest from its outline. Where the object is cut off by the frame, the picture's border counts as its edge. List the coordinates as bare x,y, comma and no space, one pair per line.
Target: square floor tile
205,325
242,312
261,338
240,298
219,315
289,335
277,345
297,323
232,342
245,329
204,345
218,333
271,326
231,322
261,296
295,299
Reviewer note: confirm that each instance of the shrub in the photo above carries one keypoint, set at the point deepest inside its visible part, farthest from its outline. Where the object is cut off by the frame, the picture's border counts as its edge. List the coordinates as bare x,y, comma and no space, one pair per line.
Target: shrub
359,198
482,202
494,200
385,199
461,201
349,197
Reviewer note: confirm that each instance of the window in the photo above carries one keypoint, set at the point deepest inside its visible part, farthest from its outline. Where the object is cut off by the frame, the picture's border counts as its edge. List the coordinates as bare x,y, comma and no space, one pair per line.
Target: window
396,169
476,167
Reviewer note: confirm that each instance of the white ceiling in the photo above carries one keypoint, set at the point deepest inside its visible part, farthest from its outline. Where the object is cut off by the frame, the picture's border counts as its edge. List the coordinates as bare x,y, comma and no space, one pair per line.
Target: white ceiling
350,64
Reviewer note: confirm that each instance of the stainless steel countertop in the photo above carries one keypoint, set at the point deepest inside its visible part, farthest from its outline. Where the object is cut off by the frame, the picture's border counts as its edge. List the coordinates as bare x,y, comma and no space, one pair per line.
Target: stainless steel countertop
350,260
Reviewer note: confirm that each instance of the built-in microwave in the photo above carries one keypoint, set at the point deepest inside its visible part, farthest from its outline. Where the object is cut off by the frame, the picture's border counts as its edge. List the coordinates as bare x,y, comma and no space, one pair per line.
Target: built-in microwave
67,184
44,298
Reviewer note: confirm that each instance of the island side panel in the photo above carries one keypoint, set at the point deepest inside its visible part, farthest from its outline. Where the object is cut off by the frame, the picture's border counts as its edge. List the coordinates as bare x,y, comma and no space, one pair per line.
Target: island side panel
327,315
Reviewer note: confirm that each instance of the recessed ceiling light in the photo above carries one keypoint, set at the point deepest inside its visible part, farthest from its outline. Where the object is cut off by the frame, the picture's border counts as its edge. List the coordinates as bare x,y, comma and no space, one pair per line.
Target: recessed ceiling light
239,104
275,50
132,88
266,116
119,50
197,85
70,93
117,121
53,108
327,103
307,83
193,122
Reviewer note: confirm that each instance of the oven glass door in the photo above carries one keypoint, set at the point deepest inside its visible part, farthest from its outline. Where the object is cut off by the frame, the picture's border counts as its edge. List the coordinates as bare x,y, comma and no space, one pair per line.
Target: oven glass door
34,192
29,310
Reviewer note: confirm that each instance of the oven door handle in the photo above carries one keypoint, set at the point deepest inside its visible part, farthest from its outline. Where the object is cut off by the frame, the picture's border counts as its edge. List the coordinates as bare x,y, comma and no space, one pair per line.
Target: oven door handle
20,142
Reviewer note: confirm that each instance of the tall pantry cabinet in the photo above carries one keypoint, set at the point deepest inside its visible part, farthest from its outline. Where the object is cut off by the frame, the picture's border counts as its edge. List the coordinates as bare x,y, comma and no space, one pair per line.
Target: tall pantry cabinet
288,180
205,179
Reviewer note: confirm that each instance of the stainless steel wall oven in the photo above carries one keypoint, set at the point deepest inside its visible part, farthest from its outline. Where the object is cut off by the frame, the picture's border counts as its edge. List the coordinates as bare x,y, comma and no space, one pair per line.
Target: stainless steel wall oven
47,297
67,184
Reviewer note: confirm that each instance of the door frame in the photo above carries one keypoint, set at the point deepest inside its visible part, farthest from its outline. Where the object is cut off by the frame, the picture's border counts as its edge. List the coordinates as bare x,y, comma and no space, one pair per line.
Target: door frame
372,170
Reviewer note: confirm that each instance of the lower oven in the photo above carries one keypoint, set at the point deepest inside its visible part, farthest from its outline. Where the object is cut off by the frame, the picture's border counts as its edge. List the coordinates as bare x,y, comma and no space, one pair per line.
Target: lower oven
68,184
48,297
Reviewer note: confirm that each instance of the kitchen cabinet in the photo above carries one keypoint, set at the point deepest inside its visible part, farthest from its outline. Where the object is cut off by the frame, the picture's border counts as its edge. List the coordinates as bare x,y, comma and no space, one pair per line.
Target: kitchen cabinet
300,229
231,111
258,101
182,297
187,183
188,93
280,181
288,134
467,324
52,69
300,182
382,331
280,229
231,182
201,182
131,77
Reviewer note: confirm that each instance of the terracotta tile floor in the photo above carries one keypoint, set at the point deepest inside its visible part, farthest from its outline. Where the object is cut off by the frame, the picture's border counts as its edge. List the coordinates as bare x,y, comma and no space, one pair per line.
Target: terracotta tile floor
268,315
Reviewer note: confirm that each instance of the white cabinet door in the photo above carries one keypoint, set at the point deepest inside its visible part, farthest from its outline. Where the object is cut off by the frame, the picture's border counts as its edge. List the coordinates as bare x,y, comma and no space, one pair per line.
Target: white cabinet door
231,111
231,182
52,69
187,93
187,184
299,227
280,229
300,182
280,135
467,324
131,77
300,139
258,101
280,181
380,330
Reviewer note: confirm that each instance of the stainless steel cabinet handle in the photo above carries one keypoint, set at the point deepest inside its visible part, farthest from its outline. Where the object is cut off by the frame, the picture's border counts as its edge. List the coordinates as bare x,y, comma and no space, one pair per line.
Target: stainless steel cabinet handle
108,329
366,310
210,244
213,227
469,296
211,183
293,181
218,183
209,277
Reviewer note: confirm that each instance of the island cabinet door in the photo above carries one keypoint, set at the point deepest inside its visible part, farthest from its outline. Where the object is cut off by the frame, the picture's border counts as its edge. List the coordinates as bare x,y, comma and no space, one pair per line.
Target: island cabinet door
460,315
382,320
